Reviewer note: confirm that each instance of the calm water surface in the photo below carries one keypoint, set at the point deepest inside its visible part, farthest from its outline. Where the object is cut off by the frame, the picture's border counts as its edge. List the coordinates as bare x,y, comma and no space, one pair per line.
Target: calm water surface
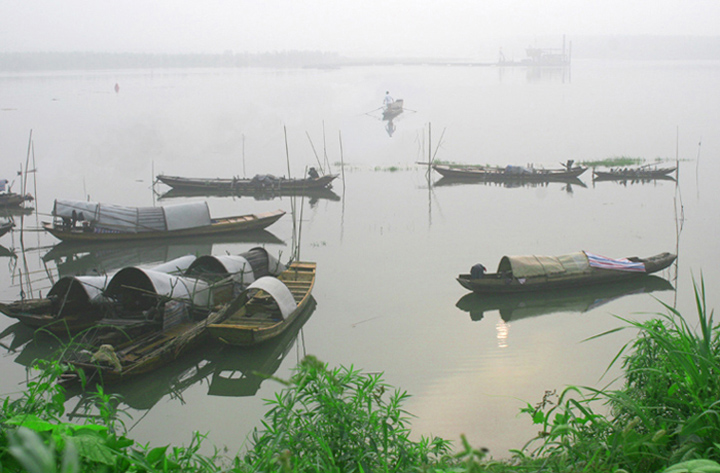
387,244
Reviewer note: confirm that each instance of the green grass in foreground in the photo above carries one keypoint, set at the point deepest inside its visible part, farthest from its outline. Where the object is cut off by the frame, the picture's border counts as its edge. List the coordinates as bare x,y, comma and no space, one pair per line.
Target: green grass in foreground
665,418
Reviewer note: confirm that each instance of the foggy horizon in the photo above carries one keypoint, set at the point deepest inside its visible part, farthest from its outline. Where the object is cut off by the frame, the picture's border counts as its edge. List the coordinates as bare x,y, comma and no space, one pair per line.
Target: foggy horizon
370,29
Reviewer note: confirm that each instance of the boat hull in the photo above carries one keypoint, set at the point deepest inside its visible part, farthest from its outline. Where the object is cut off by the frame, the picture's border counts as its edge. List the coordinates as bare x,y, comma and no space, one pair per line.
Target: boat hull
248,186
218,227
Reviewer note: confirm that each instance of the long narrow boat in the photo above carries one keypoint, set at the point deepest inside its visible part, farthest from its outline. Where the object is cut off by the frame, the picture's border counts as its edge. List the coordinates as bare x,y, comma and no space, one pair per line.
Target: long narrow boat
260,184
507,173
393,109
91,221
267,307
11,199
516,274
634,173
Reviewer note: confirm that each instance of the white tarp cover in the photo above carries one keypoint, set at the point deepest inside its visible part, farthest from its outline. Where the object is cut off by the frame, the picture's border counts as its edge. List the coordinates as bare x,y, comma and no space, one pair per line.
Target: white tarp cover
239,267
177,287
92,286
117,218
243,267
549,266
188,215
278,291
175,266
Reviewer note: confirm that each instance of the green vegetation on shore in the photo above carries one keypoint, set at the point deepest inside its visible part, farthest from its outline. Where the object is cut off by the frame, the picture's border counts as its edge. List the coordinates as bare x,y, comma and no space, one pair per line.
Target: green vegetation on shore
665,418
618,161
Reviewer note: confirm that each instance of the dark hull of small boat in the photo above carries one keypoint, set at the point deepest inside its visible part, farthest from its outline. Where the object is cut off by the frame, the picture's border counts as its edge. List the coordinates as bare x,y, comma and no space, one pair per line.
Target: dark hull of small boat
219,226
246,186
13,200
37,313
478,173
496,284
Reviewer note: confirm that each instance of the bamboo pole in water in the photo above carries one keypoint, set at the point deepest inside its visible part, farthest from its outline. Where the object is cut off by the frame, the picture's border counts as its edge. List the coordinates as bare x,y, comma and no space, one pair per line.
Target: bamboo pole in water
342,161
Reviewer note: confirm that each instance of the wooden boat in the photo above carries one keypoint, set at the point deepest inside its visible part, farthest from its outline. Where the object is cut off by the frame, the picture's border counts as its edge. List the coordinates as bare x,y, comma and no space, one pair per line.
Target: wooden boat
640,173
11,199
517,274
393,109
71,305
516,306
149,332
6,227
134,296
260,184
267,307
113,362
91,221
507,173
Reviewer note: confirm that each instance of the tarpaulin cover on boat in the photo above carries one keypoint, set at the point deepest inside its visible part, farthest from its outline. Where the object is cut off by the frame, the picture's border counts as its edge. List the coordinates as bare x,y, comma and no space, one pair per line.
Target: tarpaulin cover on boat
278,291
117,218
549,266
81,289
175,266
141,289
245,267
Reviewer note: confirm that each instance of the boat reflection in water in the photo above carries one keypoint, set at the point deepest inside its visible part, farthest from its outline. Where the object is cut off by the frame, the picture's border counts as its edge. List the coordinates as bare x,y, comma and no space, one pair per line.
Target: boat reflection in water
14,337
4,252
312,194
567,183
78,258
228,371
624,181
514,307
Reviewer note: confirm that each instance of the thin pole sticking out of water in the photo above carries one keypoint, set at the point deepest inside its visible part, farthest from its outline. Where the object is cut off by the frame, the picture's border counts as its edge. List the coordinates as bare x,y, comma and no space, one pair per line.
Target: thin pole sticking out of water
292,201
342,162
317,158
325,155
152,179
243,154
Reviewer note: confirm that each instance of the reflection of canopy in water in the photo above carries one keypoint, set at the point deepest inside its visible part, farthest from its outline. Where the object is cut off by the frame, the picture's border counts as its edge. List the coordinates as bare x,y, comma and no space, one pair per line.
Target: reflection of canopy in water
117,218
142,289
239,371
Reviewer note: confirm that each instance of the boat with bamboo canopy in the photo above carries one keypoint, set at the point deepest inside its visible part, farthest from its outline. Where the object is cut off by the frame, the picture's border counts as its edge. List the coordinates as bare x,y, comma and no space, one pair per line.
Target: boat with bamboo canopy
92,221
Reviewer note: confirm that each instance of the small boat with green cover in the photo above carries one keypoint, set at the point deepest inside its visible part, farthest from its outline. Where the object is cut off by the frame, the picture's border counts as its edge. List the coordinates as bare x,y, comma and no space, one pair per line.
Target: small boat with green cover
516,274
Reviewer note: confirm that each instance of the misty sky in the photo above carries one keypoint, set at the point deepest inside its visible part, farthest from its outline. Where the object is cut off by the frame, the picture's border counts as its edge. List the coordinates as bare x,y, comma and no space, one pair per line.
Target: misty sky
352,27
